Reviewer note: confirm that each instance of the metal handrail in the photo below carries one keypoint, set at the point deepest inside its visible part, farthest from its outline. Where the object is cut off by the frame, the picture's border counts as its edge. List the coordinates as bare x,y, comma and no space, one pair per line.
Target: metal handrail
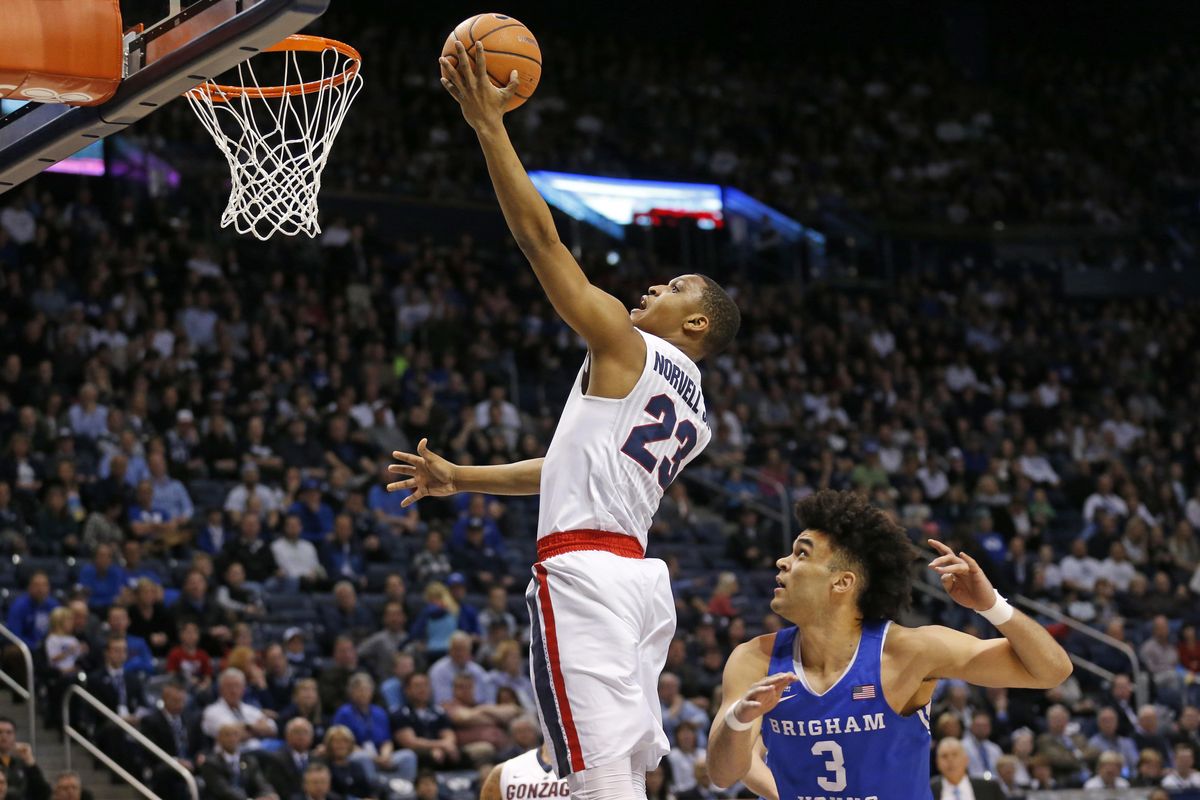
1079,661
782,493
1124,648
780,515
1092,667
130,731
25,692
1140,688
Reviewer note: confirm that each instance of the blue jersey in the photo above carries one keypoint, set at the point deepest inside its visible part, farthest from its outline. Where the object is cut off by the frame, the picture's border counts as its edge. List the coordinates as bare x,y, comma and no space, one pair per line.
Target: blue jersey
847,743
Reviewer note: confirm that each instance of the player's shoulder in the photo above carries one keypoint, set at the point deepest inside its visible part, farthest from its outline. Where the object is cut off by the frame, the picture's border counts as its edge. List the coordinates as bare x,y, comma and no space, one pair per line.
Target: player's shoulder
903,640
753,655
491,787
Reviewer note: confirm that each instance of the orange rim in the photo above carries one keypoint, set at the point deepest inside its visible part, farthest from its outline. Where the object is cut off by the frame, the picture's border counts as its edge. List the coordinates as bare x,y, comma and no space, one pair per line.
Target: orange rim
219,93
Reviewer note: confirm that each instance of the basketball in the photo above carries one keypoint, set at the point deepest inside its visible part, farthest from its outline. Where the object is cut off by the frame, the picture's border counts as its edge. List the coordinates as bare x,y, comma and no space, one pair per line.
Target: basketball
508,45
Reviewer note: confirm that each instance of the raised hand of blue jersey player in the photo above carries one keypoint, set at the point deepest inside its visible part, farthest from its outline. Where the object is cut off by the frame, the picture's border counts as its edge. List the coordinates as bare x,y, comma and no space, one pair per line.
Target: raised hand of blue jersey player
962,578
431,475
763,696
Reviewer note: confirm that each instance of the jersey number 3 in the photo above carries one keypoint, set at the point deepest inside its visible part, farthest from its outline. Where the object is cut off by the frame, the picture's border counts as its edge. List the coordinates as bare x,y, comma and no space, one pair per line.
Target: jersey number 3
836,764
662,409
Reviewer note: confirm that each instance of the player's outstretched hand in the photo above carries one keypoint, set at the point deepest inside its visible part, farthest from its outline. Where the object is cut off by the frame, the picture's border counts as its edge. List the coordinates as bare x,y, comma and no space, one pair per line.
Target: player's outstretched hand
763,695
431,475
962,578
468,82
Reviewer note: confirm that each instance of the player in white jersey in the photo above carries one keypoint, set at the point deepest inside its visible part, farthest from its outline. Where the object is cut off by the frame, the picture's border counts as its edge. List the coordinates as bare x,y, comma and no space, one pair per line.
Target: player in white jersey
529,776
602,614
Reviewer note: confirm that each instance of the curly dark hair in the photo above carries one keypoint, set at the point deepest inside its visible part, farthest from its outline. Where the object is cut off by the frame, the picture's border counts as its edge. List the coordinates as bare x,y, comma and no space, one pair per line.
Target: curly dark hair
724,318
869,543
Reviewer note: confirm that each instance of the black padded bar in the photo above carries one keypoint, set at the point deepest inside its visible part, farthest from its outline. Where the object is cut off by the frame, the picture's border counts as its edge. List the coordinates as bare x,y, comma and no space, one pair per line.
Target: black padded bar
32,141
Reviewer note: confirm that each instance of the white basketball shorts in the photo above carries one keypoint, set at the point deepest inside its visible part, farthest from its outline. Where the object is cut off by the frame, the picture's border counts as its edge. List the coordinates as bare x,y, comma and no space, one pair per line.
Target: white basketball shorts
602,618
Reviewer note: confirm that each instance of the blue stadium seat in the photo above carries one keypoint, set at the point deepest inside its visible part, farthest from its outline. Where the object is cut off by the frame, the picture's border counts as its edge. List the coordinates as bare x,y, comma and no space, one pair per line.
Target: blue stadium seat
207,493
377,575
58,570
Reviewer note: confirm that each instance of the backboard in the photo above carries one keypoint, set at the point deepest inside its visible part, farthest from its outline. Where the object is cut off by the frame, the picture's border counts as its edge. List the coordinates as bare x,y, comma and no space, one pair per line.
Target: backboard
196,43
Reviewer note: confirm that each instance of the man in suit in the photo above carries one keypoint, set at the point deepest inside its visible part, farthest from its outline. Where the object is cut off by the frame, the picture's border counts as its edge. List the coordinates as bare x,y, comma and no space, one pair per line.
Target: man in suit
317,784
228,775
981,751
121,693
1068,754
286,767
952,781
177,732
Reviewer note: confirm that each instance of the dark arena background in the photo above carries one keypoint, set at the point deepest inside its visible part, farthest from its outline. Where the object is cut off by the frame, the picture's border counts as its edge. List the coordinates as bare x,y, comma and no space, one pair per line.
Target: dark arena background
963,237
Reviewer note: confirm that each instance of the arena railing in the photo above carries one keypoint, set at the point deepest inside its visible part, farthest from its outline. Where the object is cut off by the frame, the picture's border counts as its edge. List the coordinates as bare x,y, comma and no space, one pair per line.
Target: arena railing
934,593
781,514
25,692
133,733
1141,685
1037,607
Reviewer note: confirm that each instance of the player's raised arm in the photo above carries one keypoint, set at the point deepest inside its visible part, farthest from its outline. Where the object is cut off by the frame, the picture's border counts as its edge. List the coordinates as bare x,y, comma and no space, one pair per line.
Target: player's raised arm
595,315
1027,656
430,475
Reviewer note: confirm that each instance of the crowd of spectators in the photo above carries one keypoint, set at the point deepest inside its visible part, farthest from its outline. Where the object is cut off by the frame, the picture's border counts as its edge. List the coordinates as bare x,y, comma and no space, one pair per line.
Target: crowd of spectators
194,432
192,505
900,135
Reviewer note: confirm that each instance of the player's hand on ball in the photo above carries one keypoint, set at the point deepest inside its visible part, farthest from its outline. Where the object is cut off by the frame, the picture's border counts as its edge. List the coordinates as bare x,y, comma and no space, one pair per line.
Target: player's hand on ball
431,475
962,578
763,696
468,83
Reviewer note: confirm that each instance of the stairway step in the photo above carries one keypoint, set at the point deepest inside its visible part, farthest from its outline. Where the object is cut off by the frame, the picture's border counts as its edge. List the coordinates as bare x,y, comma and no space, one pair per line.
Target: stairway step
52,757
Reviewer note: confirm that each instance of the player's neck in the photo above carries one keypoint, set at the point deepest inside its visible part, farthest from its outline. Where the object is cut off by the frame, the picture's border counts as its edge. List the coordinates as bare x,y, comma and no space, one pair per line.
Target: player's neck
685,345
828,643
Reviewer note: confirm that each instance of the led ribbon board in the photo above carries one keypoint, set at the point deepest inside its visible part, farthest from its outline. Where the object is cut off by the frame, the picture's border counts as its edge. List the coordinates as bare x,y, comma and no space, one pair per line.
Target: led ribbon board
610,204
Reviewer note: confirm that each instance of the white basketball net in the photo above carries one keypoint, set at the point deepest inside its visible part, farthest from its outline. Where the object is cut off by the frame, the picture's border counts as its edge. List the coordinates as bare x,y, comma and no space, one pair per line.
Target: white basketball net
277,147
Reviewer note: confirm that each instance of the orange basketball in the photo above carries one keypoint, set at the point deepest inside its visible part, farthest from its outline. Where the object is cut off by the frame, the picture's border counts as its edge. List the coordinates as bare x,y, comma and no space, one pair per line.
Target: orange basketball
507,45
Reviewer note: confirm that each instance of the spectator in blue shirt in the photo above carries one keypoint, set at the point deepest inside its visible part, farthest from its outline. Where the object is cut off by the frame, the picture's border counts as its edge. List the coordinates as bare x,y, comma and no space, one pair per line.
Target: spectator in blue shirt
476,515
456,662
392,689
169,493
135,569
676,709
86,417
373,732
102,579
214,535
468,615
29,615
147,519
136,469
343,556
386,507
140,659
315,515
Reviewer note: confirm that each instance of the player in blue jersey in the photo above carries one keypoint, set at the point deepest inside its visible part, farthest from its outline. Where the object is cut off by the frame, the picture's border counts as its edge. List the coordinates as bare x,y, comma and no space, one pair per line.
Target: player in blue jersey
841,700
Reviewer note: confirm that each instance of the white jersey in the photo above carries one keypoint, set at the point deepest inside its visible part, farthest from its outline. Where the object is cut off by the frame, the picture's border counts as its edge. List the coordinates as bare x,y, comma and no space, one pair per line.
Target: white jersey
525,778
611,459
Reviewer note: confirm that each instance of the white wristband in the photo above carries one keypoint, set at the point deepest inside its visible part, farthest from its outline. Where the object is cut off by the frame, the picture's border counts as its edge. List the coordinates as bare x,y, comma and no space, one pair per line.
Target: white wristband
733,723
999,613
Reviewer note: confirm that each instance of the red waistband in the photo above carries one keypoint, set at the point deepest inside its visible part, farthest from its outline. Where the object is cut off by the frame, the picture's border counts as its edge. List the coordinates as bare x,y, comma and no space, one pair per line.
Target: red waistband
570,541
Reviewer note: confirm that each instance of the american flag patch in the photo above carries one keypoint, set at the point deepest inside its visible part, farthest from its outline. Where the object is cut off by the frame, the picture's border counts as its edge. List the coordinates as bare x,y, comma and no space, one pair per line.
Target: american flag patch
864,692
